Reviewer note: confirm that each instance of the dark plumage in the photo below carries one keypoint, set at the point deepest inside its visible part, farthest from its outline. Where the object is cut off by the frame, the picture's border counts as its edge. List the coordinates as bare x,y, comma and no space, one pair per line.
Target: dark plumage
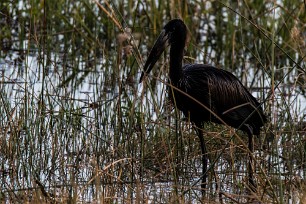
222,93
217,89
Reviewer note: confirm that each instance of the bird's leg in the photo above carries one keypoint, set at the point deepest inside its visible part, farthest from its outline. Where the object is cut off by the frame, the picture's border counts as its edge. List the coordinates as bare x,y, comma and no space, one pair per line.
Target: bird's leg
251,166
204,158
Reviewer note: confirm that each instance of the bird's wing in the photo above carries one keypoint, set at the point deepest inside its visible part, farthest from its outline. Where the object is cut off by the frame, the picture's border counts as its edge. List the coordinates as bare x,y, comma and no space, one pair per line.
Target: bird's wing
220,85
221,91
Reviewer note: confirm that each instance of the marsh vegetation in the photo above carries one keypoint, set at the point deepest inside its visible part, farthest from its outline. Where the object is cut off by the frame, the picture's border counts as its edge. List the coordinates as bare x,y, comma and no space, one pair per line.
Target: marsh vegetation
77,127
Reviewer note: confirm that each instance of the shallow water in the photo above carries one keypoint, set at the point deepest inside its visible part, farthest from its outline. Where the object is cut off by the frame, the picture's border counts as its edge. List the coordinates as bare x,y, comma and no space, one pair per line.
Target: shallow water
77,126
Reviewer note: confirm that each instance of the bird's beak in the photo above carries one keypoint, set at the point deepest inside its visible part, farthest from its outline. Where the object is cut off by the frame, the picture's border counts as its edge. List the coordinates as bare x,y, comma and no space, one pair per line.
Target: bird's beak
158,48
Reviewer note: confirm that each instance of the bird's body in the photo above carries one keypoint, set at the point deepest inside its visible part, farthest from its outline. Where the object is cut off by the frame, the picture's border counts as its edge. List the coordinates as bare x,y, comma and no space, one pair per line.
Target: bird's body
205,93
222,93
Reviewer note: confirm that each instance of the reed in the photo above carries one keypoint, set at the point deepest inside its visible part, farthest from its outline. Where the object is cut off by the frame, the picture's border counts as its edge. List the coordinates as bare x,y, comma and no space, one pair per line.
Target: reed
77,127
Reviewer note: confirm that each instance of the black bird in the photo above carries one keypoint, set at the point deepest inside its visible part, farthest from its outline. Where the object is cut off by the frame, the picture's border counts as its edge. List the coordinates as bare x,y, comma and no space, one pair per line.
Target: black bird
217,89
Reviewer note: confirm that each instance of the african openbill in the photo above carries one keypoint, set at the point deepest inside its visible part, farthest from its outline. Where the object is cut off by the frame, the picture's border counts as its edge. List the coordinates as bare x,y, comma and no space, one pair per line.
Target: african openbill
217,89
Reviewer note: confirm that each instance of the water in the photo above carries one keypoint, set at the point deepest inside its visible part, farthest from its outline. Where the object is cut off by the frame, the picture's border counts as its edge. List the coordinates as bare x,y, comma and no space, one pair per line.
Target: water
77,125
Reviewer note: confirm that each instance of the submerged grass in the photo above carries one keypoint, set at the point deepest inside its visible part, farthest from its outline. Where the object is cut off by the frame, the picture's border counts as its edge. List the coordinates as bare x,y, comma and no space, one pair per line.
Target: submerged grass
77,127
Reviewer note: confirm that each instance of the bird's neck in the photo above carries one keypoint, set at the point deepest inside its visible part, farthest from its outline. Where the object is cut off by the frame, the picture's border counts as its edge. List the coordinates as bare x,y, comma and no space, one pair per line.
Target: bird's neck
176,58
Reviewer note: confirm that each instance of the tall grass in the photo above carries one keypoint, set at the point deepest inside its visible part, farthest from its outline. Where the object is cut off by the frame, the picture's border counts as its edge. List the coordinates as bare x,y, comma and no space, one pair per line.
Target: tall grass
77,127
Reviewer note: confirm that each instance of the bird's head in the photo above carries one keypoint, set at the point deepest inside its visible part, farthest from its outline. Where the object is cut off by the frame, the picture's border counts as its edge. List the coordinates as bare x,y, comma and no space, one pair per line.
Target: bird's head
174,31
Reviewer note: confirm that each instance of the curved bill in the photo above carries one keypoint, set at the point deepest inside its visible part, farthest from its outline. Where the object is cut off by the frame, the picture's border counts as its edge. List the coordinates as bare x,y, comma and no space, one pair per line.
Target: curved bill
158,48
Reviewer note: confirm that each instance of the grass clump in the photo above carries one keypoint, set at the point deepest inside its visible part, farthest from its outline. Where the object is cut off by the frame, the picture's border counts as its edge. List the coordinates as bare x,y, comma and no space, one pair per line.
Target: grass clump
77,127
